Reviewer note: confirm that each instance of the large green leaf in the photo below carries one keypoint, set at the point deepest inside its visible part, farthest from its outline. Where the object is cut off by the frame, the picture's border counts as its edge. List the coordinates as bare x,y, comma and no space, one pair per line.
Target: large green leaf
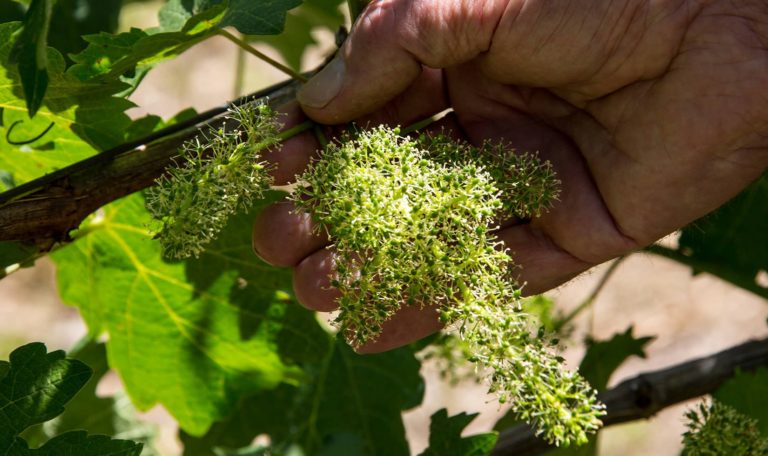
30,53
194,336
300,24
129,55
74,18
445,436
10,10
266,17
114,416
747,392
34,387
85,117
348,404
731,242
183,23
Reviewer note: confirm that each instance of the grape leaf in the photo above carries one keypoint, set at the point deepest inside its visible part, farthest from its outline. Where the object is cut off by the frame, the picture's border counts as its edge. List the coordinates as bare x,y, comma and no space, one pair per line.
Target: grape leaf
79,443
114,416
175,13
266,17
12,253
445,436
194,336
129,55
35,386
183,23
747,392
10,11
300,23
30,53
730,242
72,19
348,404
603,357
86,117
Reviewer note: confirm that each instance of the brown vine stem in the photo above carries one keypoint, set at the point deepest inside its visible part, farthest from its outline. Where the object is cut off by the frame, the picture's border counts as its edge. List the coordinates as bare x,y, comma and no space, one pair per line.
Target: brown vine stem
643,396
42,212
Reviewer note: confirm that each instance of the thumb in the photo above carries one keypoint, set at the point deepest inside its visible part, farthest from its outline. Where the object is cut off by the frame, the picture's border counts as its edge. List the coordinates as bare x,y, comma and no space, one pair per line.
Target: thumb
389,44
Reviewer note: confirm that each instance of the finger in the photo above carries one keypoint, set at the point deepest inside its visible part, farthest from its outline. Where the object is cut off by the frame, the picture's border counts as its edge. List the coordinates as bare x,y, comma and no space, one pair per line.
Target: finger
425,97
579,223
283,235
542,264
407,325
312,285
387,48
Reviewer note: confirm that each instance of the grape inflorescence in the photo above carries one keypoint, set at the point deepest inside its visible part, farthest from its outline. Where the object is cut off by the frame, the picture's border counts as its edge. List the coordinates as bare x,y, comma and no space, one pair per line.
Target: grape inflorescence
412,221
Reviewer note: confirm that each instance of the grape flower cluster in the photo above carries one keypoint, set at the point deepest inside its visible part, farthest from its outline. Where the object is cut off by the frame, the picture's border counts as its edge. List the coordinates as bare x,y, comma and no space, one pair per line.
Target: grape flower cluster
717,429
412,221
215,176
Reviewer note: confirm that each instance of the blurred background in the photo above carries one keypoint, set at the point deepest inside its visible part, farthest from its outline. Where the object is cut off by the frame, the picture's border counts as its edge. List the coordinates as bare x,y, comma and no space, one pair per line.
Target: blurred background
689,316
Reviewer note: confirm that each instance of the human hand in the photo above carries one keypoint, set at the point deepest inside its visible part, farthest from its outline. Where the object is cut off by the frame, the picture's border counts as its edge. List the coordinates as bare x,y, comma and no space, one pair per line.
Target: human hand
652,113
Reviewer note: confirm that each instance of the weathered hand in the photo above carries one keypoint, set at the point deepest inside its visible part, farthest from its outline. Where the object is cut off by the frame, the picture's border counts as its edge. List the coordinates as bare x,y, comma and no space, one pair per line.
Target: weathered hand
652,112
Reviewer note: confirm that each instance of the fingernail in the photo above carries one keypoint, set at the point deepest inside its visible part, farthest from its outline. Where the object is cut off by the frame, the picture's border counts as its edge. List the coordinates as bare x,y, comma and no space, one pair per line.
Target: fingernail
324,86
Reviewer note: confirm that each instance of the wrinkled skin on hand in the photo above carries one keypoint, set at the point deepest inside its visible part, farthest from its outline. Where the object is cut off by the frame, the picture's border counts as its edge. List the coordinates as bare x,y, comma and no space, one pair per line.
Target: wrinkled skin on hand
653,113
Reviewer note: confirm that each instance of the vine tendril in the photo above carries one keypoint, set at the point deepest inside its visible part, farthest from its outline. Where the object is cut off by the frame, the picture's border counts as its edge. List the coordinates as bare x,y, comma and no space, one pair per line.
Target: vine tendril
25,141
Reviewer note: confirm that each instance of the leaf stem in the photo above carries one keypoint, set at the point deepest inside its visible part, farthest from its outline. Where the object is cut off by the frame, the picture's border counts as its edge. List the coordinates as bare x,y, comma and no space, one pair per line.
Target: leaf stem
321,138
295,130
421,124
250,49
239,72
560,324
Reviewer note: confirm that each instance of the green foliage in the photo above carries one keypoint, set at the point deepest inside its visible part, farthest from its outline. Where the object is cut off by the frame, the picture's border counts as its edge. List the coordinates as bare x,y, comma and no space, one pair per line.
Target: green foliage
445,436
730,242
411,228
86,117
194,336
114,416
747,393
712,239
128,56
217,175
219,340
348,404
603,357
72,19
30,53
267,19
34,388
717,429
12,254
300,25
